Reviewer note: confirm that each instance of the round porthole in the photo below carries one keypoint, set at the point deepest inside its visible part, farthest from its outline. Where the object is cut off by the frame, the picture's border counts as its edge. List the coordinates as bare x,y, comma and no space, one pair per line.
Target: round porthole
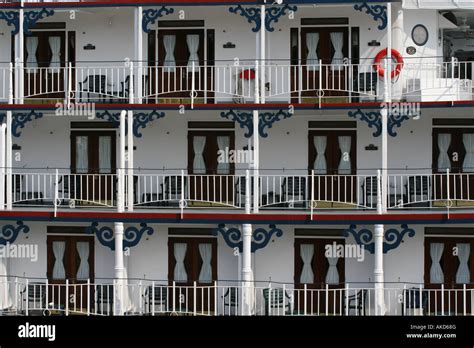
419,35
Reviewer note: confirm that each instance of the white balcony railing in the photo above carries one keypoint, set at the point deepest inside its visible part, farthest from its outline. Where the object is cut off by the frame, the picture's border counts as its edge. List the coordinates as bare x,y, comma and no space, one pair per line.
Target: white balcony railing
156,189
26,296
236,82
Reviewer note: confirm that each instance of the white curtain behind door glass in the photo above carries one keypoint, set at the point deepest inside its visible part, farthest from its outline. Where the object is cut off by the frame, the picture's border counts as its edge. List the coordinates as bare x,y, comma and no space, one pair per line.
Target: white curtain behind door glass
31,47
436,272
55,45
337,43
307,253
193,47
223,143
5,299
332,277
169,42
199,166
105,152
83,251
312,60
468,164
205,275
320,165
345,162
180,274
58,269
463,275
82,154
444,140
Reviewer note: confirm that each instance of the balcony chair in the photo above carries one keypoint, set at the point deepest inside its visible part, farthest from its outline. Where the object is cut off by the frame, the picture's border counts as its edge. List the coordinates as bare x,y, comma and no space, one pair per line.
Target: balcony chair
240,192
231,298
293,188
93,84
171,190
124,93
104,295
356,302
411,301
418,186
67,188
158,298
22,196
276,299
369,189
33,296
365,83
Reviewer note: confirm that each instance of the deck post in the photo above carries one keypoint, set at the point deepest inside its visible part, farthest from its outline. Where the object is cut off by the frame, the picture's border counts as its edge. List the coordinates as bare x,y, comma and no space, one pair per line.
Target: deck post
3,128
130,140
19,49
119,269
262,48
139,53
378,263
398,33
8,144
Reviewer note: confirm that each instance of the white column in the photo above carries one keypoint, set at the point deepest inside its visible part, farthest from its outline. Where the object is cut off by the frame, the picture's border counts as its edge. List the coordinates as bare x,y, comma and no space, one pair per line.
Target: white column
378,255
379,271
247,273
130,141
256,159
19,58
263,32
9,161
119,270
138,45
398,35
3,129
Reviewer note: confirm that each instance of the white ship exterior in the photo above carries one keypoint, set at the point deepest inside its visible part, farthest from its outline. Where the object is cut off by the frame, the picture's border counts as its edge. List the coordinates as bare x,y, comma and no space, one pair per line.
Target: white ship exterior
221,157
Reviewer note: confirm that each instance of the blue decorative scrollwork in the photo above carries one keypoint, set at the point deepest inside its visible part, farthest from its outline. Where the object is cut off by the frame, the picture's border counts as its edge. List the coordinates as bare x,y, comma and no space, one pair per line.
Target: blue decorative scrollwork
19,120
362,237
232,236
105,235
133,235
244,119
273,15
267,119
113,118
10,233
395,237
392,237
13,19
378,12
262,237
372,118
151,15
395,121
32,17
251,13
141,120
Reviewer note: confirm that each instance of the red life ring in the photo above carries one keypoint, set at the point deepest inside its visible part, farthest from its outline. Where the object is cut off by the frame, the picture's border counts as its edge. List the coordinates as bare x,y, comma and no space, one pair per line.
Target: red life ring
248,74
378,63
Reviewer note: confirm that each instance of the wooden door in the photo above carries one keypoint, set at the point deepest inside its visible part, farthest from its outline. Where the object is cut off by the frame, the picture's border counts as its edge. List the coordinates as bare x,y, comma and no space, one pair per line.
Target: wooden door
332,156
210,180
173,77
313,269
44,74
190,261
93,156
449,262
71,258
329,80
450,152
